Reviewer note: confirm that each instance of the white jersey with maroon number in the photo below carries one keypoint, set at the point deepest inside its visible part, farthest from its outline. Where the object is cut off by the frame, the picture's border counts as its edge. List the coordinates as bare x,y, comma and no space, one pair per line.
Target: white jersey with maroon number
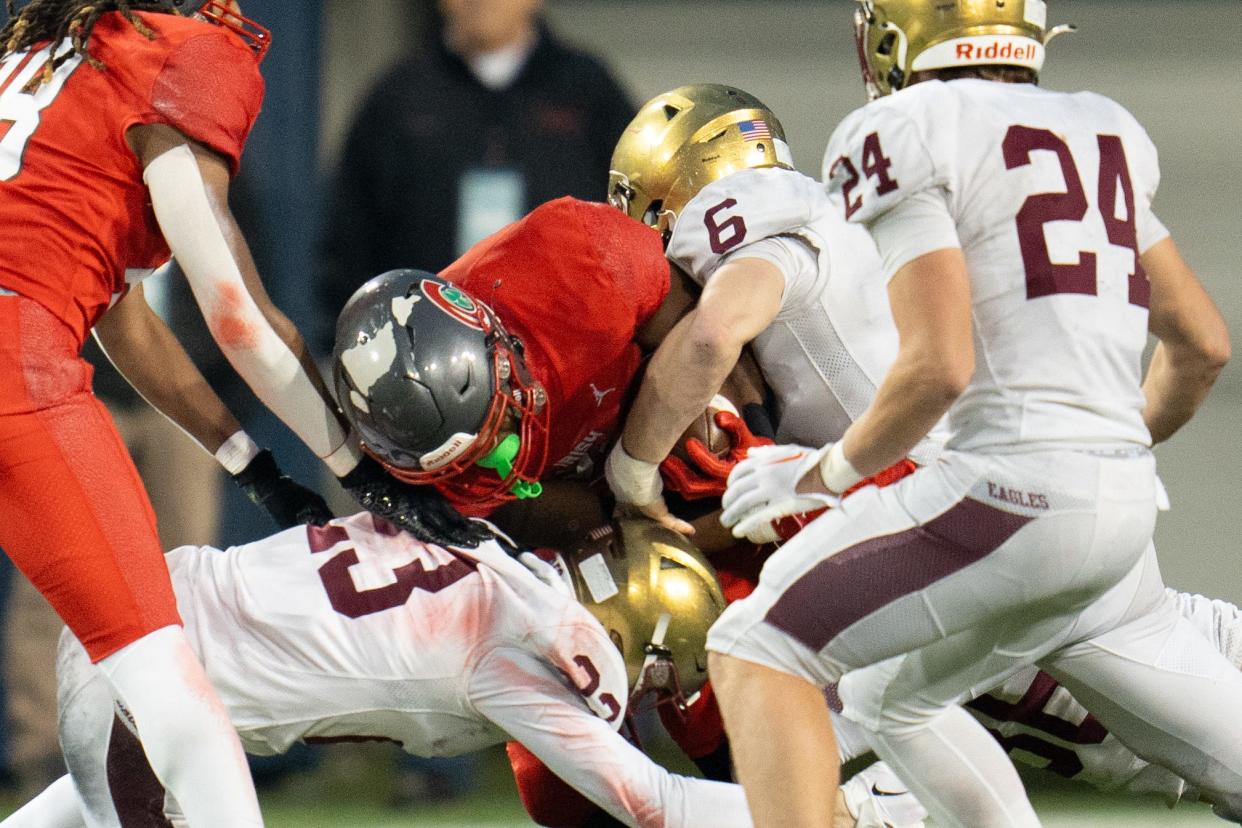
362,631
834,337
1049,196
1041,724
355,631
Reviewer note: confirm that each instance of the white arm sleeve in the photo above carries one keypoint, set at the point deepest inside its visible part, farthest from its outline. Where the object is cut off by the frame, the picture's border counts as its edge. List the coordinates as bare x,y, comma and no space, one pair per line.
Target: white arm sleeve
521,695
252,346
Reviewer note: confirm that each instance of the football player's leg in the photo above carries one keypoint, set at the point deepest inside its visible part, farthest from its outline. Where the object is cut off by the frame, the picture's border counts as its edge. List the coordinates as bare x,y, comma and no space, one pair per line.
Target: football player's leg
86,712
877,798
1168,694
783,747
809,593
75,519
949,761
161,683
56,807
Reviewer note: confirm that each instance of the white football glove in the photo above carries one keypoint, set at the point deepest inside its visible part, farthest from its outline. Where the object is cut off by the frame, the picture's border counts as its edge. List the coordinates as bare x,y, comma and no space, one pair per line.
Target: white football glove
763,488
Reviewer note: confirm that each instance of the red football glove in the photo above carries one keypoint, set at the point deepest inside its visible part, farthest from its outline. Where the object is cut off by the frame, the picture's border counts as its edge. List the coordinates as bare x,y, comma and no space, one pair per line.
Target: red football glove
791,525
710,474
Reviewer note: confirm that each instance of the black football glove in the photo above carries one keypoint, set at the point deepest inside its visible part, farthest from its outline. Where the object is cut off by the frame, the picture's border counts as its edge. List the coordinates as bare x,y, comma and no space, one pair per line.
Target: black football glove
419,510
288,502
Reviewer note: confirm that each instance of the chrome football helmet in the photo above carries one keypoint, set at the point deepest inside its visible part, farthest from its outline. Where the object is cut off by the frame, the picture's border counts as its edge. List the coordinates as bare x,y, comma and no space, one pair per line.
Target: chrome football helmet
685,139
897,38
656,595
257,37
436,388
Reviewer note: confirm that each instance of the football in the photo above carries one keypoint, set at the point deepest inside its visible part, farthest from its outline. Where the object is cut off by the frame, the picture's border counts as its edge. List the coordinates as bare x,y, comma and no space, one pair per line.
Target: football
704,428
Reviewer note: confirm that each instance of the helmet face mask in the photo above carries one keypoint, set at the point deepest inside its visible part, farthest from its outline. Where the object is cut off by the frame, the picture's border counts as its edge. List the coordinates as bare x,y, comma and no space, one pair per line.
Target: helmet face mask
221,12
898,38
432,383
656,596
685,139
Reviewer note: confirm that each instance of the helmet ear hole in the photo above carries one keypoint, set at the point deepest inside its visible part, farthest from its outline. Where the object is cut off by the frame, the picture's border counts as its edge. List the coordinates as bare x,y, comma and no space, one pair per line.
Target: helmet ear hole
653,213
671,111
886,45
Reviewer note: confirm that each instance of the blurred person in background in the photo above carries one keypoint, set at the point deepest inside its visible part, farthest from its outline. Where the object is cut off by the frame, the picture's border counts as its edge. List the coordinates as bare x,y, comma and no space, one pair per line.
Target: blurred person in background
490,117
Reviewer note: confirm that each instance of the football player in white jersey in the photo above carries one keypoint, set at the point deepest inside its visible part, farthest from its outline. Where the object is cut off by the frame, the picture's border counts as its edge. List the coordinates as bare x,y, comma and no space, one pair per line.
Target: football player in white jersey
669,170
1021,298
356,631
708,167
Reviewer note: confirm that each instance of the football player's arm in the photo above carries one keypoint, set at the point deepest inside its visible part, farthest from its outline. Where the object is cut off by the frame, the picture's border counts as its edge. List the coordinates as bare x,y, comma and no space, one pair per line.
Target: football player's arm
150,357
930,300
738,303
189,192
1194,342
152,360
522,696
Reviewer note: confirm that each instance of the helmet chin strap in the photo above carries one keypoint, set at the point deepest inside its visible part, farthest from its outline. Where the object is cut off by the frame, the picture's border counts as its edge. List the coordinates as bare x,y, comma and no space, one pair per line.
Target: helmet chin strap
656,651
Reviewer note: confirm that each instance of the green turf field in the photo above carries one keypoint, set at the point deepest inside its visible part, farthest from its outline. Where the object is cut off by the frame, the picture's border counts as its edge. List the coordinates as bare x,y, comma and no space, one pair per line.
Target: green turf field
350,789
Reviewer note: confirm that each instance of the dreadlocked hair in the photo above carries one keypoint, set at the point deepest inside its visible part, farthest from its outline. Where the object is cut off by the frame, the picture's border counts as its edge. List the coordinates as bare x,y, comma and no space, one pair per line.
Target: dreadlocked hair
42,21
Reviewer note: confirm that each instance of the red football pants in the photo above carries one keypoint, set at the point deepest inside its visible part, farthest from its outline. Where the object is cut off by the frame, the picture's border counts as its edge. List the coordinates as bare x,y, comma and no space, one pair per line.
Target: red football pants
74,516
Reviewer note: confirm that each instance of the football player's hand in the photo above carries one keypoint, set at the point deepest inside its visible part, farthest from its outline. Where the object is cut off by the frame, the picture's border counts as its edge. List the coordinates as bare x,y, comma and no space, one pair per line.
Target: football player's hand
419,510
547,565
709,474
763,488
782,529
288,502
639,490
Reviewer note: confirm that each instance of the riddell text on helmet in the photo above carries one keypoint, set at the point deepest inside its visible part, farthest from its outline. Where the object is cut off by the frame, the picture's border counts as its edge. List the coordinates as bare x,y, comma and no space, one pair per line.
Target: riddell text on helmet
996,50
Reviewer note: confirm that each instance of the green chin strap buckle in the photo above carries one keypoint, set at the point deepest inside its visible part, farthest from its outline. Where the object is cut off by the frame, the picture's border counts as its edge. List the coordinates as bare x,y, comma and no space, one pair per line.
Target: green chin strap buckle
501,460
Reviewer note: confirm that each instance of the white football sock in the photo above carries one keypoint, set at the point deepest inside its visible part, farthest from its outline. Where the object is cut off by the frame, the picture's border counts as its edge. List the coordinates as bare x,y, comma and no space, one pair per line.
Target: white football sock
184,729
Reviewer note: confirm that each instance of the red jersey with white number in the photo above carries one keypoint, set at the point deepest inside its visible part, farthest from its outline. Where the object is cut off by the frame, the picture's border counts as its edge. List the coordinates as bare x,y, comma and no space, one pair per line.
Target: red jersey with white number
574,281
1049,196
75,217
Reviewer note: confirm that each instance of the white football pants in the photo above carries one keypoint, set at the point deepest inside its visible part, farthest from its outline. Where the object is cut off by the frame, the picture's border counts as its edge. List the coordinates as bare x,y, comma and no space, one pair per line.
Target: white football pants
986,561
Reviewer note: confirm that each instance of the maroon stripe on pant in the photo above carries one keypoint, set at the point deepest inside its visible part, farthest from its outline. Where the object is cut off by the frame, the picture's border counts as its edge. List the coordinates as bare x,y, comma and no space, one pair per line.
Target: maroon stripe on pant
137,794
1029,711
858,580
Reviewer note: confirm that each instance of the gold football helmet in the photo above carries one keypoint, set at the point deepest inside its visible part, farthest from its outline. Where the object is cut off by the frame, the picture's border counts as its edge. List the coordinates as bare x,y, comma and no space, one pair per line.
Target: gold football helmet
685,139
897,38
656,595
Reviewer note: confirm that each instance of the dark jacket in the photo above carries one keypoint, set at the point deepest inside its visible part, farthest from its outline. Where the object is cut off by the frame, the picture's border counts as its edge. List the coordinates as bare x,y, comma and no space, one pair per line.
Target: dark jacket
394,200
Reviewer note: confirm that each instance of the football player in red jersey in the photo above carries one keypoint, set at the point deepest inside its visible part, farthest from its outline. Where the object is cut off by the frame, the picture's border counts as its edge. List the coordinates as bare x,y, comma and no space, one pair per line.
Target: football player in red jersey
511,367
121,123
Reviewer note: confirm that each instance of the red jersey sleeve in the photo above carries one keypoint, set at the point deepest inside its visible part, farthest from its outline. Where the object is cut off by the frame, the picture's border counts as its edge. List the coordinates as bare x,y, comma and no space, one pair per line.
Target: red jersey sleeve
210,90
